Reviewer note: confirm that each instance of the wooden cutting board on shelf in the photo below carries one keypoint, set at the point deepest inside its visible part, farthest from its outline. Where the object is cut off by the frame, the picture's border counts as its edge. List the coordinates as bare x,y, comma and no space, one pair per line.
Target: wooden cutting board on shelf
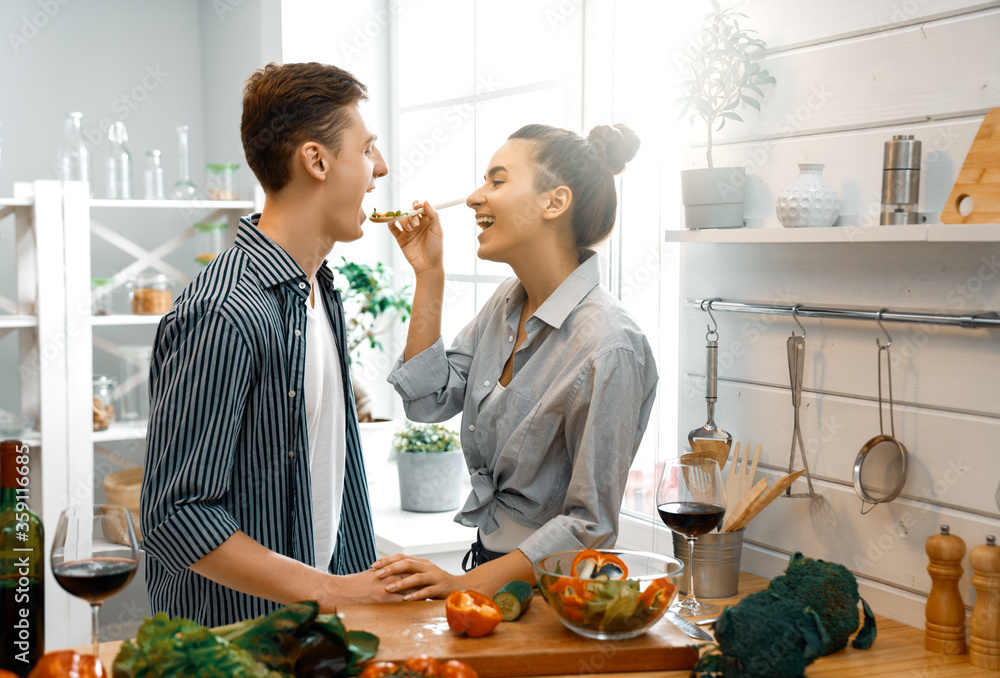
537,644
979,178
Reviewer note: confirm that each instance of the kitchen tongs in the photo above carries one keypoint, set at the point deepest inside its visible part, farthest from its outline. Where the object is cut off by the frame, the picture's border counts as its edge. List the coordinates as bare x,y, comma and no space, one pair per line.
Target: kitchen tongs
796,368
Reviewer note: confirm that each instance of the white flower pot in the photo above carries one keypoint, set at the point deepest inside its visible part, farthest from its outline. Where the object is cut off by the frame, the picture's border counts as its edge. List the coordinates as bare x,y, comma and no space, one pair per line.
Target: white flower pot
713,198
430,482
809,201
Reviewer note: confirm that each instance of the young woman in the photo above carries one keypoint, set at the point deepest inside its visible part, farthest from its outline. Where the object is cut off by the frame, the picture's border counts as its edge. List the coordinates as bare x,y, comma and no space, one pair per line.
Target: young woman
554,379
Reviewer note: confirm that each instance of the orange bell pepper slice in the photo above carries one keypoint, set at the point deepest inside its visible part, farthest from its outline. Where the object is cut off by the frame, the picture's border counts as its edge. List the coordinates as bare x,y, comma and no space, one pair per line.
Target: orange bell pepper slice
658,592
471,613
600,558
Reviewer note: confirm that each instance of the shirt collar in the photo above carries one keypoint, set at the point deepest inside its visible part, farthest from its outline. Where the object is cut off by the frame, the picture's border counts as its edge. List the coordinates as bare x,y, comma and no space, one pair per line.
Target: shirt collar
274,265
567,296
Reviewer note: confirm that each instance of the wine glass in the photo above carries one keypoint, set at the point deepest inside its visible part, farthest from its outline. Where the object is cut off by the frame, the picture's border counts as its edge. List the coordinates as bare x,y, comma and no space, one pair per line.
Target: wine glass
94,554
691,500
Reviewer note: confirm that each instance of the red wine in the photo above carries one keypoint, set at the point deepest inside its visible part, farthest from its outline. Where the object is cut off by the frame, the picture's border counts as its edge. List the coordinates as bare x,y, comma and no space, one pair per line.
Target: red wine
95,579
691,518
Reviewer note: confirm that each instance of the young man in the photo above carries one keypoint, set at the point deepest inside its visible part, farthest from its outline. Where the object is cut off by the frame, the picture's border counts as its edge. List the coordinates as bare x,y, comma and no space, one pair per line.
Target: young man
254,489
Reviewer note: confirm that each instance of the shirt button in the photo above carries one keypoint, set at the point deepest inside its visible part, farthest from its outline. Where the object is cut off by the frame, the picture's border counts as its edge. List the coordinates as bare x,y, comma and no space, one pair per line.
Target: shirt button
302,286
486,383
291,454
472,427
510,338
291,394
472,470
298,333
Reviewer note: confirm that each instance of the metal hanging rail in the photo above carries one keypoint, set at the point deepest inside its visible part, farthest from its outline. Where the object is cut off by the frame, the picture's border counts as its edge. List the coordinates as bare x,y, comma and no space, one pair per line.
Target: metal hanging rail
985,319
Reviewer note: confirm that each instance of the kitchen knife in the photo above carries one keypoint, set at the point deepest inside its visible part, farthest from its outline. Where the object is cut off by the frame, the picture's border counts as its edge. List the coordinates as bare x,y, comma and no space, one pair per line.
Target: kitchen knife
687,627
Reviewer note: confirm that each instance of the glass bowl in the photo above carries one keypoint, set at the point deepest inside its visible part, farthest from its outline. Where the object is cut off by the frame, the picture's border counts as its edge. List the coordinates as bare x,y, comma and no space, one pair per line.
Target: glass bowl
602,600
13,426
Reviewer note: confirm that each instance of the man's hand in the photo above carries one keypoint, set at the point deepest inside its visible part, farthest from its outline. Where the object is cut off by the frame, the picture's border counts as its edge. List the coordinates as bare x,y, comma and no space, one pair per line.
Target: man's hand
363,587
416,578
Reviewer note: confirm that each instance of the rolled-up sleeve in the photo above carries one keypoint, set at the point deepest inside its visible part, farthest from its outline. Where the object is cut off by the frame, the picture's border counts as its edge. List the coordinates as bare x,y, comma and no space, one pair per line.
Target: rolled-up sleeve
432,383
605,420
199,384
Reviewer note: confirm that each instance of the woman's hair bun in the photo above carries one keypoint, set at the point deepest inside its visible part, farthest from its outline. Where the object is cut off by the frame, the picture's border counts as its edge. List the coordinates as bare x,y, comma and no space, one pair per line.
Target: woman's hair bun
618,144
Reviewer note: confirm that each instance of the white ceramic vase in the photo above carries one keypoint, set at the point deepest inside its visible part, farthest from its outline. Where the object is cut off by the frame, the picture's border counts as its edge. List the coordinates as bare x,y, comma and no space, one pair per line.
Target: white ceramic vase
809,200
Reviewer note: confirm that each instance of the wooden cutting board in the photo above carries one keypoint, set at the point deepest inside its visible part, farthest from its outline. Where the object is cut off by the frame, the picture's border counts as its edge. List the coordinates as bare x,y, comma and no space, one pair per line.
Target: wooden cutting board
979,178
537,644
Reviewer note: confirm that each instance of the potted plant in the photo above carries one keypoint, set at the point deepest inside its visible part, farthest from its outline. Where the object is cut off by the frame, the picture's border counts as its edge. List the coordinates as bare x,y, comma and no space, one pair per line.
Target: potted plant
431,467
372,307
719,74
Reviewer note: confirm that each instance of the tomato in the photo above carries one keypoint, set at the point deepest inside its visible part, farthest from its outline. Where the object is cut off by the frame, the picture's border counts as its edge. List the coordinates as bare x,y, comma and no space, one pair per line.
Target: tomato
456,669
471,613
379,670
423,664
7,674
68,664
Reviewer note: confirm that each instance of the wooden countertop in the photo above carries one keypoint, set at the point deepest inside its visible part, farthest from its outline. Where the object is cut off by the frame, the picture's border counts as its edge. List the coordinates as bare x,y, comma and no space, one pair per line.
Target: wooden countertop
897,653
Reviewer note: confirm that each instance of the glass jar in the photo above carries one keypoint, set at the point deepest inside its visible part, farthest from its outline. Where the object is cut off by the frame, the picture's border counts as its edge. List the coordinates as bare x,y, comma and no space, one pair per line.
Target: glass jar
153,177
104,396
222,181
209,239
101,296
151,293
133,392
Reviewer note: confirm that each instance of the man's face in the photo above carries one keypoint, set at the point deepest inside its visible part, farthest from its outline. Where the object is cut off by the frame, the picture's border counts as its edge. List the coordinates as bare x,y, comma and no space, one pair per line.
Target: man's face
352,174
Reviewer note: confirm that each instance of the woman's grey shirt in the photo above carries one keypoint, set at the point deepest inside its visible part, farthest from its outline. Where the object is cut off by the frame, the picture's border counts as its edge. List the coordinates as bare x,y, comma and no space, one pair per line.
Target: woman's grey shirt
554,449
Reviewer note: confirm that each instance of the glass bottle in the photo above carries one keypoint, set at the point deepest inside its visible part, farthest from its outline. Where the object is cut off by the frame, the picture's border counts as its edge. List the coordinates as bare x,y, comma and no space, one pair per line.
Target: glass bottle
119,167
184,188
22,559
73,163
153,177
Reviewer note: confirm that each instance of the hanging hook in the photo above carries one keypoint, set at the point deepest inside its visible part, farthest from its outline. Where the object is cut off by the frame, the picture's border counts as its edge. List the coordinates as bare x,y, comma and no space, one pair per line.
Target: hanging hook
795,317
714,327
878,319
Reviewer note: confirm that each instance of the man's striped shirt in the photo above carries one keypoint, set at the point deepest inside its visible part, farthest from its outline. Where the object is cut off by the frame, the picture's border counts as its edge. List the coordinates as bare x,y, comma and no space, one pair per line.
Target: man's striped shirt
227,445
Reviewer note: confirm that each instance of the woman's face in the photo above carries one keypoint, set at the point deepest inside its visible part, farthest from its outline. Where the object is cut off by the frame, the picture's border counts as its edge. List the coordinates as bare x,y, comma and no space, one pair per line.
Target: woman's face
508,209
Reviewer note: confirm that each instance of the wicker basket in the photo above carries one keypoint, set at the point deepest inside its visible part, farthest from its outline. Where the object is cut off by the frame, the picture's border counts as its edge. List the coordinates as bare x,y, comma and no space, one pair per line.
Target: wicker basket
122,487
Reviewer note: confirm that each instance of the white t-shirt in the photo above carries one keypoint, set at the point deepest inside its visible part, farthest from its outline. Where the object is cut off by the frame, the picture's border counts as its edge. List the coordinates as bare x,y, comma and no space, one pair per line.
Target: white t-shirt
326,420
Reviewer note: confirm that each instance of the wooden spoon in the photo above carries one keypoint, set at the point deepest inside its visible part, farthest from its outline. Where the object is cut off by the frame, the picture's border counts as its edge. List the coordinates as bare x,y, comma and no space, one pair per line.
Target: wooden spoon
415,213
770,495
744,505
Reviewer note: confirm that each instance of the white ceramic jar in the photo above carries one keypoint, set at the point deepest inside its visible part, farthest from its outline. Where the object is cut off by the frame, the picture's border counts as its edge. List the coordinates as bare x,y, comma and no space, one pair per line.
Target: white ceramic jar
809,200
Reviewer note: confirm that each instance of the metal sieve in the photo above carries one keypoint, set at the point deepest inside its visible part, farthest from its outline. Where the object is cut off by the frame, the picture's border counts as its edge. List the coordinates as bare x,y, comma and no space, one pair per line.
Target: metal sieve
880,468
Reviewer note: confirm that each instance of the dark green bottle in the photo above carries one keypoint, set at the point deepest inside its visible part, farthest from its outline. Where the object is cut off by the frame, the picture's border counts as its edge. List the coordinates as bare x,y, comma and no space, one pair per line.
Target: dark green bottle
22,564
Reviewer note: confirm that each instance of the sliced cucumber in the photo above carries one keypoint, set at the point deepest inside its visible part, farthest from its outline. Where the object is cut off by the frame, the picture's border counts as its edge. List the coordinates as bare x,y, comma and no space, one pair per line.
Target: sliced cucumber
514,599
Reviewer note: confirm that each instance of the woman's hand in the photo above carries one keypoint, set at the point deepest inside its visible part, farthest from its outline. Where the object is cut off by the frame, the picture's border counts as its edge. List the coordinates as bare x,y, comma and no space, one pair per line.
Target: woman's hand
421,239
416,578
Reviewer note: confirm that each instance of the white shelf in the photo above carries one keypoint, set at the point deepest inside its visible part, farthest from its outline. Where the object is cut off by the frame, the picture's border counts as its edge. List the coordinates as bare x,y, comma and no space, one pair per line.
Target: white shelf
17,321
123,319
121,431
179,204
842,234
17,202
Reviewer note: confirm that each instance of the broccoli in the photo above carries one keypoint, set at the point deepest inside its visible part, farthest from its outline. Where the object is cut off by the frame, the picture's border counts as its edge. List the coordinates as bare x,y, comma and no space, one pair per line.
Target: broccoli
831,590
808,612
765,635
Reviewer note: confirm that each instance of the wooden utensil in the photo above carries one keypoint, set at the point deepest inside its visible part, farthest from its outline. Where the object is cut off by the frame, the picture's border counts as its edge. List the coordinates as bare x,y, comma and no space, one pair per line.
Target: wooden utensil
979,178
746,502
741,474
770,495
417,212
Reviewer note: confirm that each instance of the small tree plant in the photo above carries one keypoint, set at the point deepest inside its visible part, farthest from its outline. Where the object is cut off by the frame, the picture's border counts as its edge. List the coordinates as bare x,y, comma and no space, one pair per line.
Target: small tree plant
719,71
372,307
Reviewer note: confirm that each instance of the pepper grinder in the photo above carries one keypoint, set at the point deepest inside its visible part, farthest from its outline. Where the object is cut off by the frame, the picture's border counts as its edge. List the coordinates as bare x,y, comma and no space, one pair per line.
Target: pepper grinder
984,639
944,631
900,180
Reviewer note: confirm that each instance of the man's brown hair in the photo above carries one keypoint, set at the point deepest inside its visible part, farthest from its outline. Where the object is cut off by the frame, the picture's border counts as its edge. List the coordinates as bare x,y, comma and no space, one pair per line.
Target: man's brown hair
287,105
